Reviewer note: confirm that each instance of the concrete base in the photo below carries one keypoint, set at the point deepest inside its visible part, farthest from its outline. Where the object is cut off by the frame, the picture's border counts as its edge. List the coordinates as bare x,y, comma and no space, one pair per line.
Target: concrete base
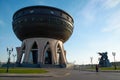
41,52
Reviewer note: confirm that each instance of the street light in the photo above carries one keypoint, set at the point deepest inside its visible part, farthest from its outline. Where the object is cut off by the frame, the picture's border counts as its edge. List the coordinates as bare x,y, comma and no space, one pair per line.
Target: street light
91,60
9,53
14,55
114,54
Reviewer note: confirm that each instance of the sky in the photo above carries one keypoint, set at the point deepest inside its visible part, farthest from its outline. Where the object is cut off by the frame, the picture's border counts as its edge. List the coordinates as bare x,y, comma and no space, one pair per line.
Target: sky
96,28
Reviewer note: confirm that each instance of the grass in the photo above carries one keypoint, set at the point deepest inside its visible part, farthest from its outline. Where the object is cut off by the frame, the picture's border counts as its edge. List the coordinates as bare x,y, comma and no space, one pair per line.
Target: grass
105,68
109,68
24,70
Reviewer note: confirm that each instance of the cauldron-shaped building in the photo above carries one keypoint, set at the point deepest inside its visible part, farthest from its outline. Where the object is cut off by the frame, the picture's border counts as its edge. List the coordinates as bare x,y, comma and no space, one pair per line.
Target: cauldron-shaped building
42,30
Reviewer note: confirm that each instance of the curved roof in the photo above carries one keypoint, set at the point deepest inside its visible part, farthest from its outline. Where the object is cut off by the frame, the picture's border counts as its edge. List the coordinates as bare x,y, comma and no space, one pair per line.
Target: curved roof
42,6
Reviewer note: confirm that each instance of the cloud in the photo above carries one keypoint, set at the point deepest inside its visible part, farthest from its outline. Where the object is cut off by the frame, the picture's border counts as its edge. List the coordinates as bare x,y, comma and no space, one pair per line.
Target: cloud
110,3
89,12
113,23
40,2
96,7
2,23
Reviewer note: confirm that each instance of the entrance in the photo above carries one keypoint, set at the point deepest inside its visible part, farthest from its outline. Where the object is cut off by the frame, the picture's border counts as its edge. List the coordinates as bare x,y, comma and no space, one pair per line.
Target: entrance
48,57
58,55
33,56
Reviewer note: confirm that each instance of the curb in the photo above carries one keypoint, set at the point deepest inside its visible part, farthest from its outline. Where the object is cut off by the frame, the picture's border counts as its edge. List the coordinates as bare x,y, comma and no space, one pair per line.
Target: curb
25,75
110,71
103,70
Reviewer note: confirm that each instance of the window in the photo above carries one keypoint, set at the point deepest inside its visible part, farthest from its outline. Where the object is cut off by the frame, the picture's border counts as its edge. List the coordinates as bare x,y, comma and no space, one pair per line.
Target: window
33,18
31,11
25,19
51,12
19,21
67,17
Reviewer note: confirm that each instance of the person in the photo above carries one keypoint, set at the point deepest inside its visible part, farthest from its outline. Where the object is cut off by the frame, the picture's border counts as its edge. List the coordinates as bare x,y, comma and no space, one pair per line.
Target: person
97,68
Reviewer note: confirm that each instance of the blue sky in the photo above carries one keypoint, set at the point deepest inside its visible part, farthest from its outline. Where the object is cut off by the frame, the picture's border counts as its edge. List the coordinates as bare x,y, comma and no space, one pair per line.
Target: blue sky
96,27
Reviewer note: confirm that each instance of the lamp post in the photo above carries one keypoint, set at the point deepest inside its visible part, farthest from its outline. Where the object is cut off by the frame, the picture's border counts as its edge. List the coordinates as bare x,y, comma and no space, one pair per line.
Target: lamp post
9,53
114,54
14,55
91,60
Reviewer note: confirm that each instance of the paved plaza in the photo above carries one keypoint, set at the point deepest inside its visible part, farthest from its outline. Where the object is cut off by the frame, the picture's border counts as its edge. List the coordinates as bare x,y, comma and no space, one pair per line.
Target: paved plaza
63,74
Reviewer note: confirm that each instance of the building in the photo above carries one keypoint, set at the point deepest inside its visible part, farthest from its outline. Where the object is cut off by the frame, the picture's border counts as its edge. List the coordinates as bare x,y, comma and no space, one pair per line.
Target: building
42,30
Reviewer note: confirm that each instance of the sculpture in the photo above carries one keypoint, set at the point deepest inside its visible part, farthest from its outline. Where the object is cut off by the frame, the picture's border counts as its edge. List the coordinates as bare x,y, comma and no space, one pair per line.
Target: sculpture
104,61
